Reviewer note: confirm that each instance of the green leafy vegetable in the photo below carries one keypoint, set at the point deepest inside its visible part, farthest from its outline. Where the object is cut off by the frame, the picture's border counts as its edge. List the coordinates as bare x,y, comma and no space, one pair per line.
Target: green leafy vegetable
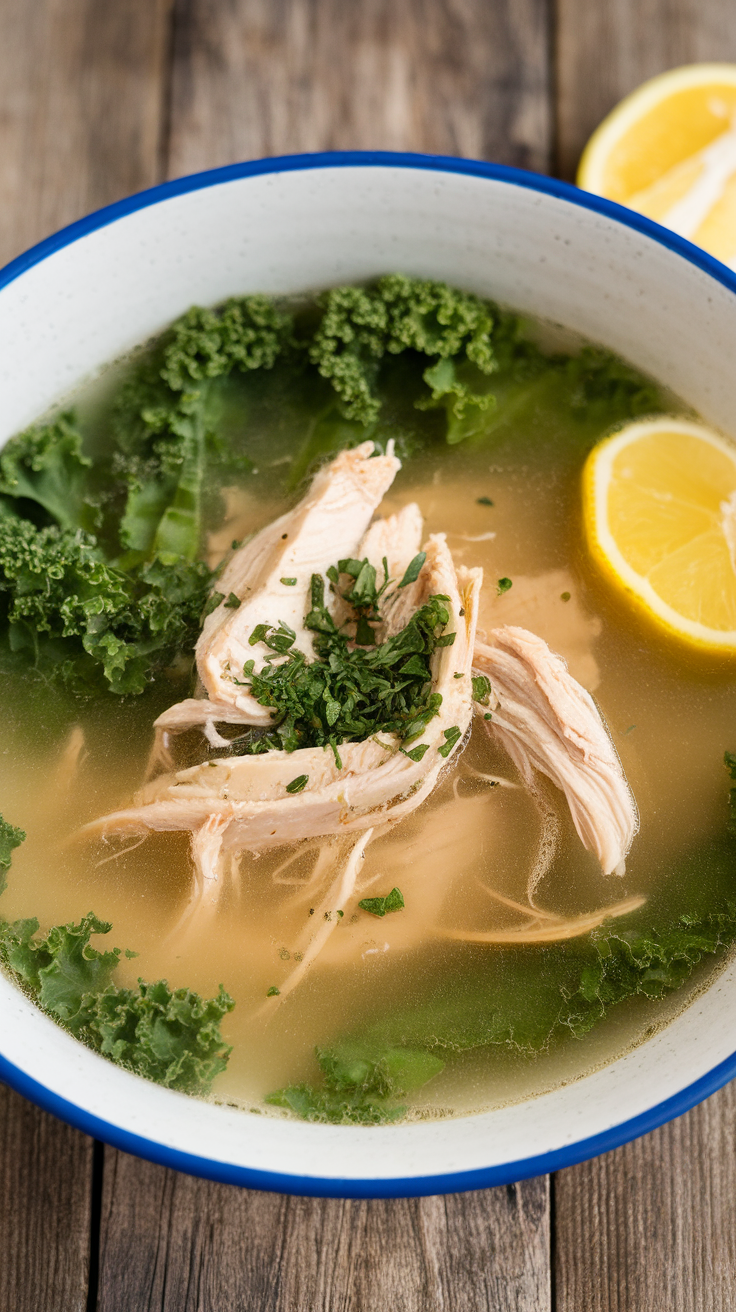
168,1035
298,784
608,389
359,1084
46,466
379,906
10,838
527,998
503,586
360,325
452,738
58,583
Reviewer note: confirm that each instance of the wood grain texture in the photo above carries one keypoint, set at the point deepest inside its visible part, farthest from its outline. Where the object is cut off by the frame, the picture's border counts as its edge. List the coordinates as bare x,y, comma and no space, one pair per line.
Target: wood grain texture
270,77
45,1208
82,90
175,1244
605,49
652,1226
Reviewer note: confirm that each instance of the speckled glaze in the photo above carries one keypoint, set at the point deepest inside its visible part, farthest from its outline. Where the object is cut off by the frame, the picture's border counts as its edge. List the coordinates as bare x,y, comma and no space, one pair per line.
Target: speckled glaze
106,283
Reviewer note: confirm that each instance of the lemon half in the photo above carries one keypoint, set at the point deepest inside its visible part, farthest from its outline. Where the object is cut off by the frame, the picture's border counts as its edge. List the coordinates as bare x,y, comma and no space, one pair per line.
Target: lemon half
659,506
669,151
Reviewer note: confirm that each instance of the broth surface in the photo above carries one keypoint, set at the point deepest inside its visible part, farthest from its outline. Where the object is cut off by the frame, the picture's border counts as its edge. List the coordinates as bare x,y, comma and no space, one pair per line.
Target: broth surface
65,761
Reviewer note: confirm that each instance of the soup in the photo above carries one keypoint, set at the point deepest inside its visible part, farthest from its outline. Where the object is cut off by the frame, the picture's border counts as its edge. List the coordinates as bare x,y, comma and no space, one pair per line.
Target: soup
479,913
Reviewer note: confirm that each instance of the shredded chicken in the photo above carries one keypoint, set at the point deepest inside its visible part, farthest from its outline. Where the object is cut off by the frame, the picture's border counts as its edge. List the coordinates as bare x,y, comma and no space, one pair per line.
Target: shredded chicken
543,718
326,526
546,721
377,784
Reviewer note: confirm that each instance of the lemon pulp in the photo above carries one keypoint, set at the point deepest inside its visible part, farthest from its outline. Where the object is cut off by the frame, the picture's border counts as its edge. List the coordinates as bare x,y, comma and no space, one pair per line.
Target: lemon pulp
659,504
669,151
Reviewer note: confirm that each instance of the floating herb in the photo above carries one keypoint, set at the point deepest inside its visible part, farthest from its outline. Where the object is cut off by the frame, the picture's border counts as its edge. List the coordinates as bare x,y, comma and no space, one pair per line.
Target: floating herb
379,906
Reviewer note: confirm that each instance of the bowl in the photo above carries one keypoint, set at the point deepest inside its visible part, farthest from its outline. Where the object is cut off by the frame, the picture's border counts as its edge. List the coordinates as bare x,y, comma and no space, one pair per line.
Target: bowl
92,291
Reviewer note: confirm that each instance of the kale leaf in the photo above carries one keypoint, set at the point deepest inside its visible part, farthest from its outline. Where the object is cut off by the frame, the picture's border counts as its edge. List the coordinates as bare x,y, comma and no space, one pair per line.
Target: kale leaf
10,838
607,389
166,420
360,1084
57,582
46,466
171,1036
525,999
360,325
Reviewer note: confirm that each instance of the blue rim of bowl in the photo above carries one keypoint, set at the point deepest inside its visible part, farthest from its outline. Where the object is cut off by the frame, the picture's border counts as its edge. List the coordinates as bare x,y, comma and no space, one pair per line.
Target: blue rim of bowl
411,1186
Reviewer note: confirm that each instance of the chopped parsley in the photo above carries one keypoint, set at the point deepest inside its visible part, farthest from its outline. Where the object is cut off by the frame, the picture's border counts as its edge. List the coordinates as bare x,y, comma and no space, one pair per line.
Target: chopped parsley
413,569
232,602
351,691
481,689
379,906
288,583
298,784
503,586
452,737
484,501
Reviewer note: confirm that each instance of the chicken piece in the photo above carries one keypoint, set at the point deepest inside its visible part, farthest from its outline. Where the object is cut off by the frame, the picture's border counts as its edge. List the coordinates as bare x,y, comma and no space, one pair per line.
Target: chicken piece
546,721
549,605
397,540
377,784
326,526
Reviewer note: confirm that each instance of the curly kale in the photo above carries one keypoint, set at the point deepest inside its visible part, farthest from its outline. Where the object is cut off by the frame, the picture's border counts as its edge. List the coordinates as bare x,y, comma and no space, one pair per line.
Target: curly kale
362,324
99,557
45,466
56,582
10,838
168,1035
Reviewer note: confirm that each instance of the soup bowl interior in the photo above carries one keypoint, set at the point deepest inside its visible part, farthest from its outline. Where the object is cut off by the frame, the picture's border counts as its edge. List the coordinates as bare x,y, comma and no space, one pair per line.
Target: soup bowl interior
93,292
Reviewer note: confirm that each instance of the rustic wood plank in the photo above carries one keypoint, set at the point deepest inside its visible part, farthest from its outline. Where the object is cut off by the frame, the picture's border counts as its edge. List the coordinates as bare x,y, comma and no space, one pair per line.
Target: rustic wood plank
268,77
176,1244
652,1226
82,88
606,49
45,1210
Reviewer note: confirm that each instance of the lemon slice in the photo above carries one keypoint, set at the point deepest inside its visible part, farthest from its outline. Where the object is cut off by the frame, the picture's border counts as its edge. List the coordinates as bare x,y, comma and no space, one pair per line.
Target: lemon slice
659,505
669,151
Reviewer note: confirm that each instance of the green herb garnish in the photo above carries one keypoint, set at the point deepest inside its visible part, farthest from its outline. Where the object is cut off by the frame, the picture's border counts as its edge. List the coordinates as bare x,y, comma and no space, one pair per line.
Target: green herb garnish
379,906
484,501
298,784
481,689
350,692
452,736
503,586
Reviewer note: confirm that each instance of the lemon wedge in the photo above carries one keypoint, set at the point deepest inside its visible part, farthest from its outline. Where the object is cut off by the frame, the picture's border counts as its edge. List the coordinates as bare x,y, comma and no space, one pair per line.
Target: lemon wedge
669,151
659,507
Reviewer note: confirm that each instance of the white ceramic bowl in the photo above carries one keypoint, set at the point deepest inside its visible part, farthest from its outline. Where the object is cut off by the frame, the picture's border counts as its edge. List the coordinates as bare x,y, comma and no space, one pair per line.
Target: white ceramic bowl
92,291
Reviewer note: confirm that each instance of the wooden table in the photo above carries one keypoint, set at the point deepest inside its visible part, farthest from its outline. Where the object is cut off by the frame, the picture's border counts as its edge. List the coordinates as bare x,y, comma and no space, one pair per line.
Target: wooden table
99,98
